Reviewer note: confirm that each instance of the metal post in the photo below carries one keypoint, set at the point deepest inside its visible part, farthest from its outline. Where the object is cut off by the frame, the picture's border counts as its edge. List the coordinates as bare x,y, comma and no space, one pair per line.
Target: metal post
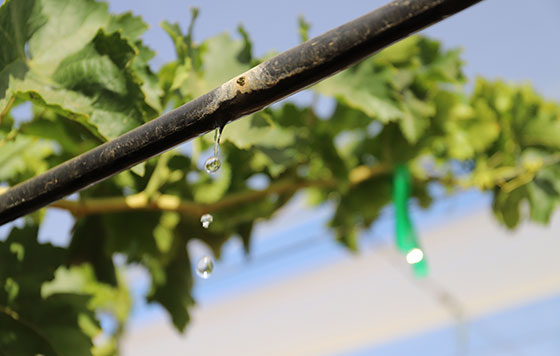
249,92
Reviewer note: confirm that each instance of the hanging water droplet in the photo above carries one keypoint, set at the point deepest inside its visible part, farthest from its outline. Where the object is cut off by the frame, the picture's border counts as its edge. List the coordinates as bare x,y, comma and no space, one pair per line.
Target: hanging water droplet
212,164
204,267
217,135
206,220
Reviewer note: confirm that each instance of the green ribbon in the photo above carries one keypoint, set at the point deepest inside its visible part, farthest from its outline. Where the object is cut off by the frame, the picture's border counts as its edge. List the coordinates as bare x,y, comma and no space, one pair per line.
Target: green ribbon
406,237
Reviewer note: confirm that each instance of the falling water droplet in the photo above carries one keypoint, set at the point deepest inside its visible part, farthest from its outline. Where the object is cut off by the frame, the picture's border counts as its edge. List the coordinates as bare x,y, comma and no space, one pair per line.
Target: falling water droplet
206,220
204,267
213,163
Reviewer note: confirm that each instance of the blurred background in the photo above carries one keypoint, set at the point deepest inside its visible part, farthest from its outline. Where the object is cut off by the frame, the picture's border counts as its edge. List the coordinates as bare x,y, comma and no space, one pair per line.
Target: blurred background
489,292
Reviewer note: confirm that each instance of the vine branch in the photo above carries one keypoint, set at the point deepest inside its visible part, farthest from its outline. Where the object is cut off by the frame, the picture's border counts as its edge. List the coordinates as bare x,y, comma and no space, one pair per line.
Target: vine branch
166,202
148,200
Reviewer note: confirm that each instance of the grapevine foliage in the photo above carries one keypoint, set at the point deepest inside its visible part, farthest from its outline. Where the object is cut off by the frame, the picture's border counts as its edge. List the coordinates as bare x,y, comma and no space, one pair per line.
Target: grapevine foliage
87,75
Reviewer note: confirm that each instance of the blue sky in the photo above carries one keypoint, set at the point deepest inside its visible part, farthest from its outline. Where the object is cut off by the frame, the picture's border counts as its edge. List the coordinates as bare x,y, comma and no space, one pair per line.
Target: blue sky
512,39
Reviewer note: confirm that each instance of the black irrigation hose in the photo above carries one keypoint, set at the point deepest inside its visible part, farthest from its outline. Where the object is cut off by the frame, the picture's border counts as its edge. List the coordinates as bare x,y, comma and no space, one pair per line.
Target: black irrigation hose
249,92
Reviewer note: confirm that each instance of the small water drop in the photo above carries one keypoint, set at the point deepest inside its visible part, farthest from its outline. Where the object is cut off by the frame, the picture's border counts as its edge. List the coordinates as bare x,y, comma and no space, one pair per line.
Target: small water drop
206,220
212,164
204,267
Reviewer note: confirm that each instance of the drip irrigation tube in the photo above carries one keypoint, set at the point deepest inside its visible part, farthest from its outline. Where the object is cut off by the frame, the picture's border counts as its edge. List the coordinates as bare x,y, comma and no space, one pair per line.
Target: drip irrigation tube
249,92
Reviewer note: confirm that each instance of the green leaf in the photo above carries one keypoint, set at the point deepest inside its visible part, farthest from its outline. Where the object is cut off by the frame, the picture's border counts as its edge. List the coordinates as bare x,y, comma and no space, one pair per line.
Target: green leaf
416,117
72,137
150,82
89,244
130,26
19,338
246,53
27,263
346,118
400,53
99,70
257,130
29,322
180,42
184,47
18,20
76,69
52,43
542,199
58,319
330,156
245,231
364,87
23,158
173,292
89,70
131,233
507,206
303,28
543,132
222,59
468,129
82,280
359,207
164,232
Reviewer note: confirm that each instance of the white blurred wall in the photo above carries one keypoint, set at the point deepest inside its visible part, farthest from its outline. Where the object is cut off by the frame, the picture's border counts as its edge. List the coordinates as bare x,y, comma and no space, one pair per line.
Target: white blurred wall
477,268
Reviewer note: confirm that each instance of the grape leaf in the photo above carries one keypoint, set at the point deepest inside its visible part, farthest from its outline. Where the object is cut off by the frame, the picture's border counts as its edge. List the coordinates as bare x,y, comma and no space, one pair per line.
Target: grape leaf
220,62
76,69
364,87
89,244
257,130
173,292
23,158
50,325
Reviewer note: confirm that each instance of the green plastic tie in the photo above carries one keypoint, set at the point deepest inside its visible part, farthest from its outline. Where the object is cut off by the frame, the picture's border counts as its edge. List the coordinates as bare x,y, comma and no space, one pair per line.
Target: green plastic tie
406,237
